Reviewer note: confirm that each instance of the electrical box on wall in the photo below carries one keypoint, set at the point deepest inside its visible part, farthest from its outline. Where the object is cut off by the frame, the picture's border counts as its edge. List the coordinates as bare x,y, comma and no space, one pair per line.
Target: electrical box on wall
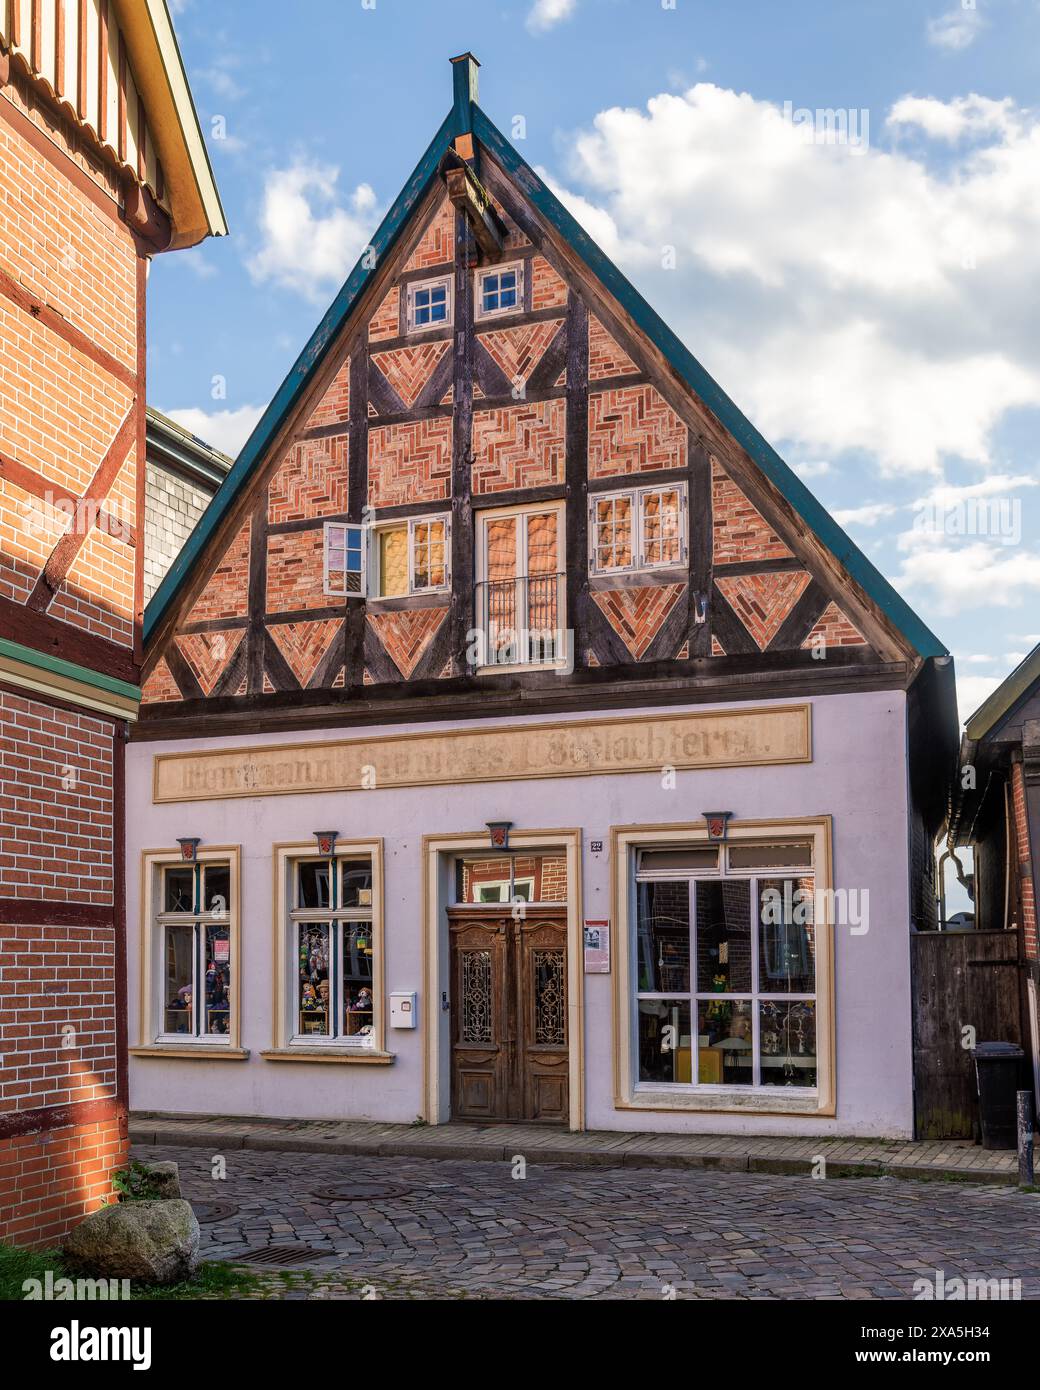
402,1010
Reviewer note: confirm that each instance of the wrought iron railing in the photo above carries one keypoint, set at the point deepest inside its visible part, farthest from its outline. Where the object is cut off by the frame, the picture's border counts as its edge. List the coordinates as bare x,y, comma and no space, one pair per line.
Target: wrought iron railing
520,621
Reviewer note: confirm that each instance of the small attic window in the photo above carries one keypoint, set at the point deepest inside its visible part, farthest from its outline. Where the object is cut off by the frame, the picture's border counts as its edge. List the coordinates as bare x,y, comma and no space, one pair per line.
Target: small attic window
500,291
429,303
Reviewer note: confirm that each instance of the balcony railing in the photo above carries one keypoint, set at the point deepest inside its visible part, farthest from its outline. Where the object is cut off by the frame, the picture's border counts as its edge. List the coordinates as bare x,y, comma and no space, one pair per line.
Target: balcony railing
519,621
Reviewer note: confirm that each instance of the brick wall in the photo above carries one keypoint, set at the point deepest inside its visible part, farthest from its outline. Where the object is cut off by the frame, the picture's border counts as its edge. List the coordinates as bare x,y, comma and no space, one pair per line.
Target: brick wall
1023,852
51,1179
56,814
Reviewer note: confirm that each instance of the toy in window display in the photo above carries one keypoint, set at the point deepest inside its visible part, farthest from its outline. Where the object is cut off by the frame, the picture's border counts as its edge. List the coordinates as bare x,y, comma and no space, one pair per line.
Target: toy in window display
309,999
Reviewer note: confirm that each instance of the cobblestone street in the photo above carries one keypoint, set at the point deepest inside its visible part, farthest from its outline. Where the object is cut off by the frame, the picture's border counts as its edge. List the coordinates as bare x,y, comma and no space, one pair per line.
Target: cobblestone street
421,1228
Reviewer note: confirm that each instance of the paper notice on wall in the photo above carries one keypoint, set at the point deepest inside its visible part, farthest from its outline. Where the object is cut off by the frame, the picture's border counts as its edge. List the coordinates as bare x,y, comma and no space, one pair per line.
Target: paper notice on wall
596,937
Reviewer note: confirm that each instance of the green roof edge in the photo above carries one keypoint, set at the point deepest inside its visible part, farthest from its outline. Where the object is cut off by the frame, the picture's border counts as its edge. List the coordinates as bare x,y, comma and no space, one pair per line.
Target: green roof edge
58,666
1006,696
816,516
288,394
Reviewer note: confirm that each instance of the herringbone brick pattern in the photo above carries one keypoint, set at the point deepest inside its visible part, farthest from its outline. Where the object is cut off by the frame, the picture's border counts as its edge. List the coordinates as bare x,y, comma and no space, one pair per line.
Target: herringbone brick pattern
386,321
409,369
763,601
740,532
717,649
409,462
547,288
207,653
226,594
835,629
334,406
304,644
519,350
606,356
633,430
407,634
437,245
160,686
518,446
311,482
636,615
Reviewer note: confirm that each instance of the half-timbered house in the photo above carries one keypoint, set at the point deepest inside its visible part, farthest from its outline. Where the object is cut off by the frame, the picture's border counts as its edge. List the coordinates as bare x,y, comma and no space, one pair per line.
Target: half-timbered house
521,739
102,167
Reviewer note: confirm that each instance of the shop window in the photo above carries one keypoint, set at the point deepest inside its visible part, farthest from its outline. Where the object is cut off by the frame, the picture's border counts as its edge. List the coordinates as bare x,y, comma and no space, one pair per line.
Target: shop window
500,291
412,557
332,950
195,948
429,303
725,967
638,529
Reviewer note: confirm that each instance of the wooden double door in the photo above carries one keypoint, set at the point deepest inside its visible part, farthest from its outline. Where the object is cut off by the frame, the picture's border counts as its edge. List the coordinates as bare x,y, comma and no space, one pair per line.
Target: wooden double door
509,1044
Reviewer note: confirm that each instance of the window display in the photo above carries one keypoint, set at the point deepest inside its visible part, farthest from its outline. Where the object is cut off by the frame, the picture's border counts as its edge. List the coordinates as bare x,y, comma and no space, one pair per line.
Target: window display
725,969
334,951
195,931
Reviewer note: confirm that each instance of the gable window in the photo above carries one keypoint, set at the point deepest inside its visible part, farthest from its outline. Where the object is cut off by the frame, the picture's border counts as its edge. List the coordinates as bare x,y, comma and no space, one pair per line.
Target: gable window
521,589
331,943
412,557
429,303
638,529
728,959
500,291
192,950
344,568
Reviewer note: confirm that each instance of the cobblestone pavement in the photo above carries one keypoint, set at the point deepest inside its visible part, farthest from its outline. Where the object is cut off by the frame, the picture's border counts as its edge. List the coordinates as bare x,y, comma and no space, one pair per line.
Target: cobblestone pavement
421,1228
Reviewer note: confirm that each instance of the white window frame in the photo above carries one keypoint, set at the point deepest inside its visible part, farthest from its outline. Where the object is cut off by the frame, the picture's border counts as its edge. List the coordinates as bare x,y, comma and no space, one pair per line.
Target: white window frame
694,1095
523,513
332,528
288,1042
411,522
637,499
154,921
479,312
432,283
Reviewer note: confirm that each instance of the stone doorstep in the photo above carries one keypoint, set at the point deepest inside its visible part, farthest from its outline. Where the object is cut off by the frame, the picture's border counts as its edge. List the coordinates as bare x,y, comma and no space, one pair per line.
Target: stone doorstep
845,1157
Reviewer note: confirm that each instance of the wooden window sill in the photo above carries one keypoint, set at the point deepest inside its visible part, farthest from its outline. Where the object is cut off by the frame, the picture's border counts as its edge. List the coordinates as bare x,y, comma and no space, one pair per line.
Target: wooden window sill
369,1057
201,1053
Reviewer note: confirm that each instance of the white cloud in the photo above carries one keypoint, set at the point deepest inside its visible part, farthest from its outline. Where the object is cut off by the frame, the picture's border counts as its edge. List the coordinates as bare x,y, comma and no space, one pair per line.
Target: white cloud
977,575
868,515
956,30
996,485
226,430
309,240
862,299
812,468
546,14
972,691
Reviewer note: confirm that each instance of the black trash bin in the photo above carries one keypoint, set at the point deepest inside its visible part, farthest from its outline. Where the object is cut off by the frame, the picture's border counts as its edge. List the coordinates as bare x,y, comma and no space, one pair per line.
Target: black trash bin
998,1070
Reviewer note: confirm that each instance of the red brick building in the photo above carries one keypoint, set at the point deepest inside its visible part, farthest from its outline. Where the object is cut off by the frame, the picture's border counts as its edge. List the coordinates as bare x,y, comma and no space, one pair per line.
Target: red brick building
102,166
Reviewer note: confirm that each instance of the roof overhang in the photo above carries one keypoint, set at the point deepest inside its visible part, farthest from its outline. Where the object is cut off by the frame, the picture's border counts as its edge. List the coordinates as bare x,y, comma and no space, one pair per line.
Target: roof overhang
191,189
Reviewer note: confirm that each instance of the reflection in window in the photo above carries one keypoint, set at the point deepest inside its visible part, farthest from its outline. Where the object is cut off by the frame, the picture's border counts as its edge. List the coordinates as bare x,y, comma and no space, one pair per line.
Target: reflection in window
511,878
787,944
664,938
334,950
664,1040
724,936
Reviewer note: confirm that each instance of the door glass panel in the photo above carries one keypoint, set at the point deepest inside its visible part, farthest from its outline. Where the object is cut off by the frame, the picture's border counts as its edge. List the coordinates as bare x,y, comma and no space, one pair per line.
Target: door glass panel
724,1042
788,1043
664,1040
476,1003
550,998
723,936
313,972
664,938
179,1010
787,936
218,979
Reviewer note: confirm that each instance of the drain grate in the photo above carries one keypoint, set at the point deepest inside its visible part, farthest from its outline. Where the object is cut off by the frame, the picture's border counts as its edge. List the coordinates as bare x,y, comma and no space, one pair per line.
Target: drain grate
213,1211
278,1255
360,1192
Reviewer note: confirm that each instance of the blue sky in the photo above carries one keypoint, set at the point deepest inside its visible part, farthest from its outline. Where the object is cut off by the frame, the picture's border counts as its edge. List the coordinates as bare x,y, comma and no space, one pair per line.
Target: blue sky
860,282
